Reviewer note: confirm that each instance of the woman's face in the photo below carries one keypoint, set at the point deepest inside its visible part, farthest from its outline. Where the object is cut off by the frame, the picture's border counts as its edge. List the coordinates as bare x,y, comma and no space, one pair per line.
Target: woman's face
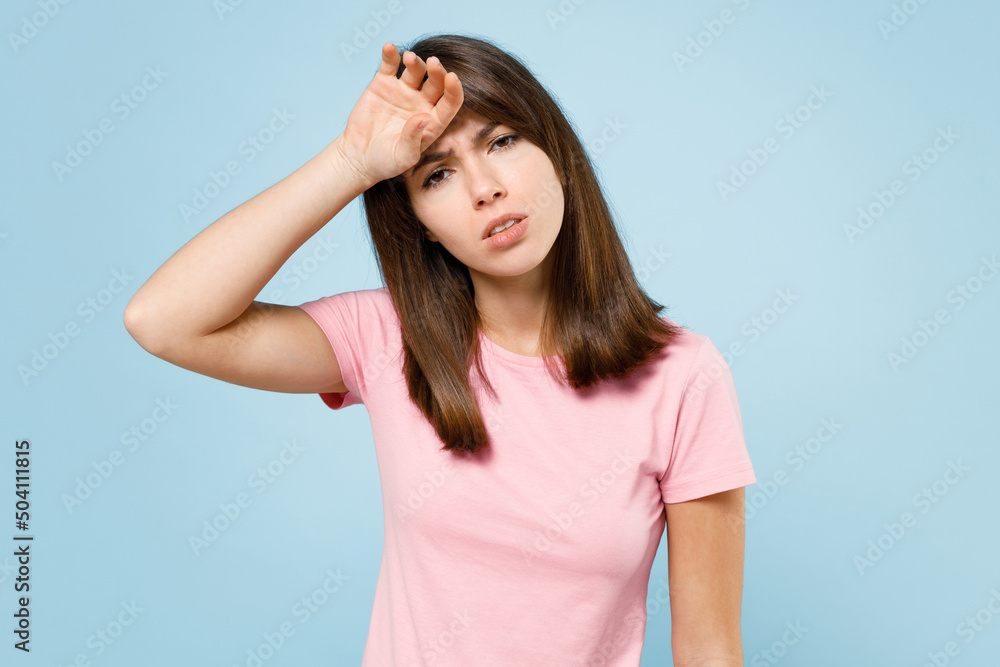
496,173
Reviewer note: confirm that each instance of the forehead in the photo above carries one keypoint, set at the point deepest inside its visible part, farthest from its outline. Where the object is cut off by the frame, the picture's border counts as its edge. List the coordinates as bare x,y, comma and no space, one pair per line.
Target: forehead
462,126
466,127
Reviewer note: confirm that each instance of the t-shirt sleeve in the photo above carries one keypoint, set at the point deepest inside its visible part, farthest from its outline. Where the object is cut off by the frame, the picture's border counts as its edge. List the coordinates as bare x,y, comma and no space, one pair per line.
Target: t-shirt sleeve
709,454
355,324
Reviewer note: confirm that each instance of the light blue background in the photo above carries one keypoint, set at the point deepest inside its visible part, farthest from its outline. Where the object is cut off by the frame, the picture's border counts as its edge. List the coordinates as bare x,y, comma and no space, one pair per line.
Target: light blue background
682,130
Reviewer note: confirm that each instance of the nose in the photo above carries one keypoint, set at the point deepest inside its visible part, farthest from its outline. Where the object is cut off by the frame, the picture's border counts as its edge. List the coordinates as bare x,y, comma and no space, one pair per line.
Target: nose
484,185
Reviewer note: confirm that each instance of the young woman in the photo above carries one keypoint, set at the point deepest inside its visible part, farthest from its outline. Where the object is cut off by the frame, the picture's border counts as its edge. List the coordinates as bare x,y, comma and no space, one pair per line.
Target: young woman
537,425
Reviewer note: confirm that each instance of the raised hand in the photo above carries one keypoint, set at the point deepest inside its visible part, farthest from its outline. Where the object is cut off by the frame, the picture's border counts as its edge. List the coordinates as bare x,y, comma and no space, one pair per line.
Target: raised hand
396,119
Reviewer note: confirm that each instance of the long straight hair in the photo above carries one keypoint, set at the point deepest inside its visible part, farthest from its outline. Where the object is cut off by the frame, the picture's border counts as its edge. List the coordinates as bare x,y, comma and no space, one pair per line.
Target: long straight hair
597,314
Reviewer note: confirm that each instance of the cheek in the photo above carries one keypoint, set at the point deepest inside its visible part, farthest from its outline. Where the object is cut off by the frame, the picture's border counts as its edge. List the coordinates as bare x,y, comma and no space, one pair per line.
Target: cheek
425,212
542,177
547,191
440,220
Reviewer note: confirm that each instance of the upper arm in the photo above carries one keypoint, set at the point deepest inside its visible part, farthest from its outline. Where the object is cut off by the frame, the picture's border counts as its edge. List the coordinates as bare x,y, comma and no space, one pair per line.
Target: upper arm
269,346
705,546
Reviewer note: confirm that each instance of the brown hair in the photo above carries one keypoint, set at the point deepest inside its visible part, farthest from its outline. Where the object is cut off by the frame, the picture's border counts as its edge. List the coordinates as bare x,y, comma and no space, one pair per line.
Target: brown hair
597,314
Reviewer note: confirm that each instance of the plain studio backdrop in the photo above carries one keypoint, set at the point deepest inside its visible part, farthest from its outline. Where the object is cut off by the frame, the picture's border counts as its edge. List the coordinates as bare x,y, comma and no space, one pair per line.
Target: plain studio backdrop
812,185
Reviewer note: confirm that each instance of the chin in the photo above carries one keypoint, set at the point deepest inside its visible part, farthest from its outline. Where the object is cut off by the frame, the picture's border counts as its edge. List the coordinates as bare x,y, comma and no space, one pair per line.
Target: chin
509,267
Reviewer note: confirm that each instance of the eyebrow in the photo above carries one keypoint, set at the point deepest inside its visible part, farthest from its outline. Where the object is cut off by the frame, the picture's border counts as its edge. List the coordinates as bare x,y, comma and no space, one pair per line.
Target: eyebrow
437,157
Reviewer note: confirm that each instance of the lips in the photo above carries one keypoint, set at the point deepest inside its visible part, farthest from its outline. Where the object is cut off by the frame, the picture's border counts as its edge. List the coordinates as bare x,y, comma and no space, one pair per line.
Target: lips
501,220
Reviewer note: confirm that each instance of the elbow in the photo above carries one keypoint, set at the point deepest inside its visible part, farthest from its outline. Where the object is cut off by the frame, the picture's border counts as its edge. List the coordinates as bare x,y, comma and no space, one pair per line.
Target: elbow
138,323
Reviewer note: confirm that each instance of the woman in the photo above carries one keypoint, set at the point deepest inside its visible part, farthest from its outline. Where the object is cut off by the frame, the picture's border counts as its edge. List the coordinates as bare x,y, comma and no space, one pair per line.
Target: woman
536,423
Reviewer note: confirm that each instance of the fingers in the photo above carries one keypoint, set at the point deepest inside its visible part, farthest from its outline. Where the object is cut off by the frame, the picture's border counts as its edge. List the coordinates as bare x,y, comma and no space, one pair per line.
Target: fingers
443,90
390,59
435,80
413,75
451,100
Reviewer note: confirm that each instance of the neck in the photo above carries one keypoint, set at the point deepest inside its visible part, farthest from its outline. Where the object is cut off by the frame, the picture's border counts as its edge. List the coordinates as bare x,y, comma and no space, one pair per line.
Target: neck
512,308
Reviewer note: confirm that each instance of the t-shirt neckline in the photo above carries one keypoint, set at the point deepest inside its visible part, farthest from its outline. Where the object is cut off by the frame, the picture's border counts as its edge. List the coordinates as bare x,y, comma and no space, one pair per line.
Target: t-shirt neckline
511,356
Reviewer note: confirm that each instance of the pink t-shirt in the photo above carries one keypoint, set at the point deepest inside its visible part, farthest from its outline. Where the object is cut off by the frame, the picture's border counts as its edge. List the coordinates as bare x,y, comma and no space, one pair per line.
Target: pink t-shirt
540,552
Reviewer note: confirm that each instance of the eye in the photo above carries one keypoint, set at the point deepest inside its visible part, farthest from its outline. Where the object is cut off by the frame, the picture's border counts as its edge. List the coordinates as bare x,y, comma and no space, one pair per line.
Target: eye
429,183
512,137
499,144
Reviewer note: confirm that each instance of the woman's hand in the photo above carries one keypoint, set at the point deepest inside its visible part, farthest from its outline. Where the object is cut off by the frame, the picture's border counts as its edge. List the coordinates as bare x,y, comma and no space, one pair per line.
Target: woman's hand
383,137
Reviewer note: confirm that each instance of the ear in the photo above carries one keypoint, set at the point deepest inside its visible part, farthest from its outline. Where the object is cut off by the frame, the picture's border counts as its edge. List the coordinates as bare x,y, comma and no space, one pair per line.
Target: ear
430,236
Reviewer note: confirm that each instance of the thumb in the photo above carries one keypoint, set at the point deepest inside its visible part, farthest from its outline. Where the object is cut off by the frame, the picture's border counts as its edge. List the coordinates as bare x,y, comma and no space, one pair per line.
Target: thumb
410,139
415,127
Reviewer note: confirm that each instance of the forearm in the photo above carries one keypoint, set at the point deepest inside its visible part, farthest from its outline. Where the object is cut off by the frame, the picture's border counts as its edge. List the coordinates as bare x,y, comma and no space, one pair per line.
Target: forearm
215,276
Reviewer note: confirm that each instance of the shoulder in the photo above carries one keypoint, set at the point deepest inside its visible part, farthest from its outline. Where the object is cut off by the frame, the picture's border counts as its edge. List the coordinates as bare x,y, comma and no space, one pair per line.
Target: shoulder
693,356
363,305
366,319
363,330
377,296
687,344
706,370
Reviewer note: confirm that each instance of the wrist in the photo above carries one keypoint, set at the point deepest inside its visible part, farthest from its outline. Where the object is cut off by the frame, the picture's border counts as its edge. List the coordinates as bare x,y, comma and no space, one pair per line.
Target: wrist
344,170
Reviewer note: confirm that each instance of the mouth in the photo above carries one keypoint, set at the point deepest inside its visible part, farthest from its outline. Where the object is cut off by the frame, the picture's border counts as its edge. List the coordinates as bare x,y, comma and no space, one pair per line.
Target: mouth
502,222
499,228
513,233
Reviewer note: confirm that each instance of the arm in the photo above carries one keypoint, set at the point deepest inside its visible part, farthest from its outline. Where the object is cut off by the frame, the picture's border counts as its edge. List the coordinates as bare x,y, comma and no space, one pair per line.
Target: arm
197,310
705,545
